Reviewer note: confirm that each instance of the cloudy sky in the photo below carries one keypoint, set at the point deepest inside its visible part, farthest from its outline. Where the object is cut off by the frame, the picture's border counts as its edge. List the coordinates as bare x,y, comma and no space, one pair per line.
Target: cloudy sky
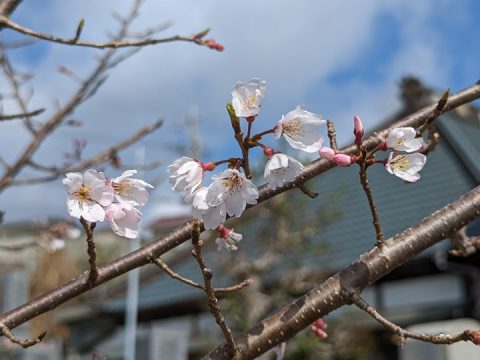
338,58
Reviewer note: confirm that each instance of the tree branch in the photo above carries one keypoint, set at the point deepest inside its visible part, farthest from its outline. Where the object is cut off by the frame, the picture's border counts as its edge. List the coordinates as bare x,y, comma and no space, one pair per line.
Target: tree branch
196,38
162,265
92,252
156,248
367,269
403,333
25,343
95,79
21,116
212,299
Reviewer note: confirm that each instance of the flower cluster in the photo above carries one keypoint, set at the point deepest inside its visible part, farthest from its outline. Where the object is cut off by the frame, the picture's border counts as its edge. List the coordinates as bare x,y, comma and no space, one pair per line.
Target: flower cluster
93,197
405,166
231,190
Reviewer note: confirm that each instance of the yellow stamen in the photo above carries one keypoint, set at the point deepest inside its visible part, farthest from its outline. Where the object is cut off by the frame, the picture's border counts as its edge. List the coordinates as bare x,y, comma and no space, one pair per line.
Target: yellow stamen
400,162
249,102
124,188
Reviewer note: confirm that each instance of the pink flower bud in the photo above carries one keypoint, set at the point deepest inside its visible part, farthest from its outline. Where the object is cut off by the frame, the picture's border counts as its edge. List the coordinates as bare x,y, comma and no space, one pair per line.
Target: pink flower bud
475,337
209,166
318,328
343,160
212,44
327,153
268,151
358,130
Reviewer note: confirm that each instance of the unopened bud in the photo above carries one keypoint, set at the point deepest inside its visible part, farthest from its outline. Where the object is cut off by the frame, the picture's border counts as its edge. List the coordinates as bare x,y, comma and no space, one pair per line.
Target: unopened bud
318,328
343,160
475,337
209,166
358,130
327,153
268,151
212,44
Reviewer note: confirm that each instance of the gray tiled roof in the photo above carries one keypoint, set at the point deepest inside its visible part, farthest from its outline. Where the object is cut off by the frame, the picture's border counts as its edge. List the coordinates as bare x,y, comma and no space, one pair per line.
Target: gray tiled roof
447,174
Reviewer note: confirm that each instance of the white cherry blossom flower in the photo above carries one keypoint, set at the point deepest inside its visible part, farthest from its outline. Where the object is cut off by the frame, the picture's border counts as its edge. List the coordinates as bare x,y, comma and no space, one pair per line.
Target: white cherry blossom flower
87,194
186,174
300,129
227,239
247,99
406,167
130,191
234,189
212,216
281,169
54,245
403,139
123,219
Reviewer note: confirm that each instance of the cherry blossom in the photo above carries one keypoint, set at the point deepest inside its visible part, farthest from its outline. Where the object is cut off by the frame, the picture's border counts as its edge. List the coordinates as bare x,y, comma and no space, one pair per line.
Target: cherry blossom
123,219
234,189
130,191
227,239
406,167
300,129
186,174
281,169
247,99
403,139
212,216
87,194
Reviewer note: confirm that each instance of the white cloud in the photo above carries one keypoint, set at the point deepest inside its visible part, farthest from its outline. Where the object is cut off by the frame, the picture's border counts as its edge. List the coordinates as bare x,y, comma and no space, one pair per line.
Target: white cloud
294,46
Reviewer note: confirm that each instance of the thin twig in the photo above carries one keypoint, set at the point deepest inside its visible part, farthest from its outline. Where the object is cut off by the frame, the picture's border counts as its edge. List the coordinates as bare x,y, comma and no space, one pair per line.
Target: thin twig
25,343
371,202
332,135
18,247
21,115
97,159
93,81
435,114
92,252
306,191
196,38
235,122
467,335
464,245
192,283
212,299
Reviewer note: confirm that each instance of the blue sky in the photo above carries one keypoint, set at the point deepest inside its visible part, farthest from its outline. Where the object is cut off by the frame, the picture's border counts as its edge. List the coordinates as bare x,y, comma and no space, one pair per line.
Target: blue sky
338,58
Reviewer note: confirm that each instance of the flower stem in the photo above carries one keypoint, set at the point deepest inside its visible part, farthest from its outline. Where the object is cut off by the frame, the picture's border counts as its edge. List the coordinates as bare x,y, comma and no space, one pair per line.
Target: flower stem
212,299
92,252
371,201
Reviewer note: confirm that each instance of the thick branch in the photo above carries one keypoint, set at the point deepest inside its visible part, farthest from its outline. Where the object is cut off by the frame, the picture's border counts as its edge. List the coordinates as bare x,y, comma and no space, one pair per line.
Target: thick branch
151,251
367,269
